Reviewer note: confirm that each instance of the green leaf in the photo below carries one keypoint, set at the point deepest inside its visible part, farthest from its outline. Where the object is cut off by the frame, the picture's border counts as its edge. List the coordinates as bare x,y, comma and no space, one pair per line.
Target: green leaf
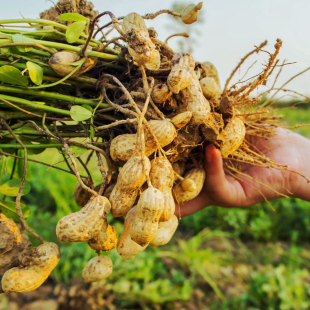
11,187
87,107
11,75
18,38
72,17
35,73
74,31
79,113
77,151
9,210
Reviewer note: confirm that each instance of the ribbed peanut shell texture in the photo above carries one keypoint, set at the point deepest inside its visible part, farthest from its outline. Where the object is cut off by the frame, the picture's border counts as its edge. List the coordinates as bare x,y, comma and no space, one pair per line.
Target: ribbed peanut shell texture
196,102
126,247
27,278
182,119
106,240
210,89
197,175
233,136
84,224
129,182
181,72
140,46
209,70
98,268
160,93
123,146
165,231
162,178
150,207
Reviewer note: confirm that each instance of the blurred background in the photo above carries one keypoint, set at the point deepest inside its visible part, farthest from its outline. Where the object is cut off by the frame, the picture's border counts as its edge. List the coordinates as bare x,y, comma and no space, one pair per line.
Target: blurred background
219,259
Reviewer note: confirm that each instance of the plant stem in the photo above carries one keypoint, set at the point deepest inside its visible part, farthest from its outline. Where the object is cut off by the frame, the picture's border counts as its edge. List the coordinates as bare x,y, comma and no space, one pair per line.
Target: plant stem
51,95
80,79
35,106
31,146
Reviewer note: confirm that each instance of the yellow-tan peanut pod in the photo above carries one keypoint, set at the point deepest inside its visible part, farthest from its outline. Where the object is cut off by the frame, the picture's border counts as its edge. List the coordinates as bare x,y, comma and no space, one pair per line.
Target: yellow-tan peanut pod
98,268
190,13
150,207
169,206
127,248
129,182
60,61
181,74
188,185
210,89
165,231
140,46
30,275
233,136
179,168
161,174
106,239
196,102
160,93
124,146
182,119
84,224
198,175
162,178
209,70
10,234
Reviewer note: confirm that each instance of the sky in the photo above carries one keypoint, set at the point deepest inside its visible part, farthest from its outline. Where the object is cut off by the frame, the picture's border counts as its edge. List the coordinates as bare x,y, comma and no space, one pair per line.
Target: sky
230,29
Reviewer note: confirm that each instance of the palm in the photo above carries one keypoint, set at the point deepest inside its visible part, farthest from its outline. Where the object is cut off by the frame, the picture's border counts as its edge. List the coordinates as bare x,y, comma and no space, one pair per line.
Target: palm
227,191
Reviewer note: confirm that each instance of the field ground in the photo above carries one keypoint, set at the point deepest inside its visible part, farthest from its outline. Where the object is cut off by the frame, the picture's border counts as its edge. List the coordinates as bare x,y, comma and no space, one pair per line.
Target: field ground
220,259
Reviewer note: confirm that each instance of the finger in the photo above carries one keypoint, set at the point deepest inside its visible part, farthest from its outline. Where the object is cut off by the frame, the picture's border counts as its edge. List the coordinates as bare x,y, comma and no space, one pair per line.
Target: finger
215,175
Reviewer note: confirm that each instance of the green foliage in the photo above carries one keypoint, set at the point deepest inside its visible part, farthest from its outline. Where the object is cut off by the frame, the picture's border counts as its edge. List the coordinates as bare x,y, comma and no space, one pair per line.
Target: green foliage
35,73
10,188
9,210
11,75
78,113
75,30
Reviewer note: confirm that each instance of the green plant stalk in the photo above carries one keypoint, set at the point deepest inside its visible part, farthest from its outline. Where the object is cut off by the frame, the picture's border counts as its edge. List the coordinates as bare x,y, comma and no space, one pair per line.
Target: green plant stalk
28,103
40,33
50,95
80,79
34,132
30,146
11,115
68,47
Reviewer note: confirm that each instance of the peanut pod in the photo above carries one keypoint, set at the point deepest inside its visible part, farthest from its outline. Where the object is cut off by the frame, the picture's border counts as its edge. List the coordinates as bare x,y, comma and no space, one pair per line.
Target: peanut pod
165,231
190,13
32,272
123,146
181,74
197,175
233,136
140,46
149,209
98,268
86,223
127,248
129,182
162,178
106,240
195,101
210,88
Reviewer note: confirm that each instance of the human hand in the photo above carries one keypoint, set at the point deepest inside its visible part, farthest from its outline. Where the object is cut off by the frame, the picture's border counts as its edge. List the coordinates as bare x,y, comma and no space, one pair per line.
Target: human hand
224,190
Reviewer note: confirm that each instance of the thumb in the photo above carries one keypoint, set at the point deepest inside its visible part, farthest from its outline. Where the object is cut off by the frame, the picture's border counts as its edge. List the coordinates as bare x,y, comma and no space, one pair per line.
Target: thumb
215,175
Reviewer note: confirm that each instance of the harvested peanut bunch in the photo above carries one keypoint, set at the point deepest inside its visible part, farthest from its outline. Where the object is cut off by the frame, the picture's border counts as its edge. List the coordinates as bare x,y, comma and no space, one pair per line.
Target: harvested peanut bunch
144,112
